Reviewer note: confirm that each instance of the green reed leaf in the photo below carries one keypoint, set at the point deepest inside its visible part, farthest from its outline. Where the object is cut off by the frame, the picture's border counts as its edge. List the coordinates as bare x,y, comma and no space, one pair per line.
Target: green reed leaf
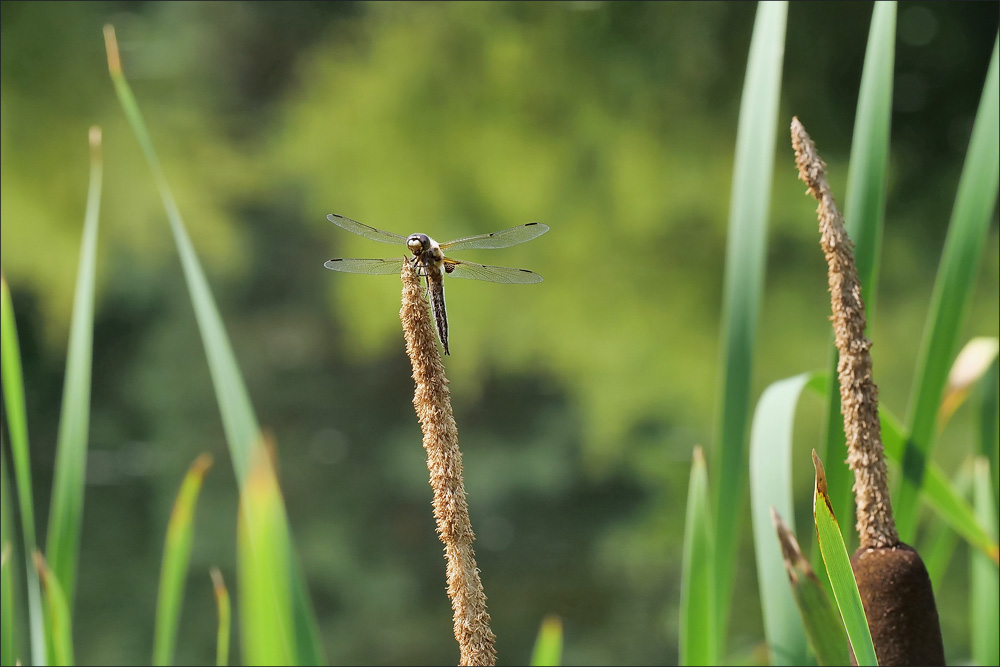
746,251
176,556
838,569
66,513
699,635
963,249
549,643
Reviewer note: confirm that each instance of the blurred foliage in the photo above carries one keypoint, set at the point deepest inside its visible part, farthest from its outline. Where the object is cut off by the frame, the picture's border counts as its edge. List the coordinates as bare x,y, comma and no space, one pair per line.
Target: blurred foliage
579,400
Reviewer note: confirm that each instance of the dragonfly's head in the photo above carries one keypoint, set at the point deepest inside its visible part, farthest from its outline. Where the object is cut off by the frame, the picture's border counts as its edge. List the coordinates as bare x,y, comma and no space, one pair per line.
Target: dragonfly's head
418,243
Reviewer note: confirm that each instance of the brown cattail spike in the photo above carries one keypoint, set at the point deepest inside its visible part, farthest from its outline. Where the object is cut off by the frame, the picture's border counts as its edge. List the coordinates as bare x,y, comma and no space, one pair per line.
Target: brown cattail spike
892,580
432,401
858,392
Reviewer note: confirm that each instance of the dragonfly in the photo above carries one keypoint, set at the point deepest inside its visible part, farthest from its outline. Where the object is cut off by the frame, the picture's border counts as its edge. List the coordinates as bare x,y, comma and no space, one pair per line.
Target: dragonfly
430,261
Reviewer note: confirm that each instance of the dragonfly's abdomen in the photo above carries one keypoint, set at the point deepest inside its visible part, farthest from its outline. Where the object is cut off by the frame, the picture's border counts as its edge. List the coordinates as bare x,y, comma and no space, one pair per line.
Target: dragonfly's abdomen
436,290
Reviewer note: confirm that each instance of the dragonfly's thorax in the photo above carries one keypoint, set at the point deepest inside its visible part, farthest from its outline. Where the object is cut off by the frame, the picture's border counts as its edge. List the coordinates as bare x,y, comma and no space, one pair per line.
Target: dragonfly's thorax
426,251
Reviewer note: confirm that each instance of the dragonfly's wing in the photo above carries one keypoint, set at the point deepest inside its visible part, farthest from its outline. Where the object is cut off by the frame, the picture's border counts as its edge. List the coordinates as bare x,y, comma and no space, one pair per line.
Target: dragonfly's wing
504,239
365,230
373,267
493,274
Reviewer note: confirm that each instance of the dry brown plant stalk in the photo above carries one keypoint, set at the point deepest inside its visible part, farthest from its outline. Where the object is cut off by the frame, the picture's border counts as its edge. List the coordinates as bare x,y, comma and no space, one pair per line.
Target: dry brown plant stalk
858,392
432,401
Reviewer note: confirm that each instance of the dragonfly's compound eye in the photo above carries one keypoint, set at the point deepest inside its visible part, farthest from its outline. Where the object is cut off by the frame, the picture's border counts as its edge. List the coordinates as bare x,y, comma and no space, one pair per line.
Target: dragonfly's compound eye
417,243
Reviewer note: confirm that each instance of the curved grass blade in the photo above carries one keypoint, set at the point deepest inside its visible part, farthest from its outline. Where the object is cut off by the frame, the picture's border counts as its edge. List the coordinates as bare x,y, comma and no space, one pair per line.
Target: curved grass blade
57,614
224,610
838,568
176,556
66,513
939,493
267,624
820,618
549,643
771,490
984,600
971,364
938,542
963,249
746,250
238,417
864,214
699,637
17,426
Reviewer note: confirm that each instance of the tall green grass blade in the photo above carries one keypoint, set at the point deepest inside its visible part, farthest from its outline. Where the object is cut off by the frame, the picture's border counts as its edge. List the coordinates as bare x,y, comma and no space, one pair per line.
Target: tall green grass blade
66,513
984,580
746,250
17,426
238,417
699,635
267,623
771,490
864,205
965,243
176,556
820,618
307,641
864,213
838,568
549,643
57,614
8,647
224,610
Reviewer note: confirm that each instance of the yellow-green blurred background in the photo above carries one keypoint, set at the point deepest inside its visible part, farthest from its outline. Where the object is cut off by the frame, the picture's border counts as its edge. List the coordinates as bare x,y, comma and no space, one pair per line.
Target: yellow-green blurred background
578,400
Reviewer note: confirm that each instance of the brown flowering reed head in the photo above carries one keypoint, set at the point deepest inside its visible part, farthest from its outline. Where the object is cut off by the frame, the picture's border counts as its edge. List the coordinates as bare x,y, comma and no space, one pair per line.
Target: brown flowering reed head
892,580
432,402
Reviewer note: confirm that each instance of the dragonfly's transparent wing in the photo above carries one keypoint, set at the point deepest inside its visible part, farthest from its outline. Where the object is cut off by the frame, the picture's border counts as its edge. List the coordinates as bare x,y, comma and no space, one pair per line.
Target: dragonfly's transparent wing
365,230
373,267
493,274
504,239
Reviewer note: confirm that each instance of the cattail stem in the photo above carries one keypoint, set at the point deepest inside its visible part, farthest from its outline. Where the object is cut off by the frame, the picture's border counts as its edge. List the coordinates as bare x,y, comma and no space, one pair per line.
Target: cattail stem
432,401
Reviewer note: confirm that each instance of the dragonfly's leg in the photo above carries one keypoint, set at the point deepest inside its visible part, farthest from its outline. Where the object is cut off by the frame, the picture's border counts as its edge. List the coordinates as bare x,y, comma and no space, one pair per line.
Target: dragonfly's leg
422,272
